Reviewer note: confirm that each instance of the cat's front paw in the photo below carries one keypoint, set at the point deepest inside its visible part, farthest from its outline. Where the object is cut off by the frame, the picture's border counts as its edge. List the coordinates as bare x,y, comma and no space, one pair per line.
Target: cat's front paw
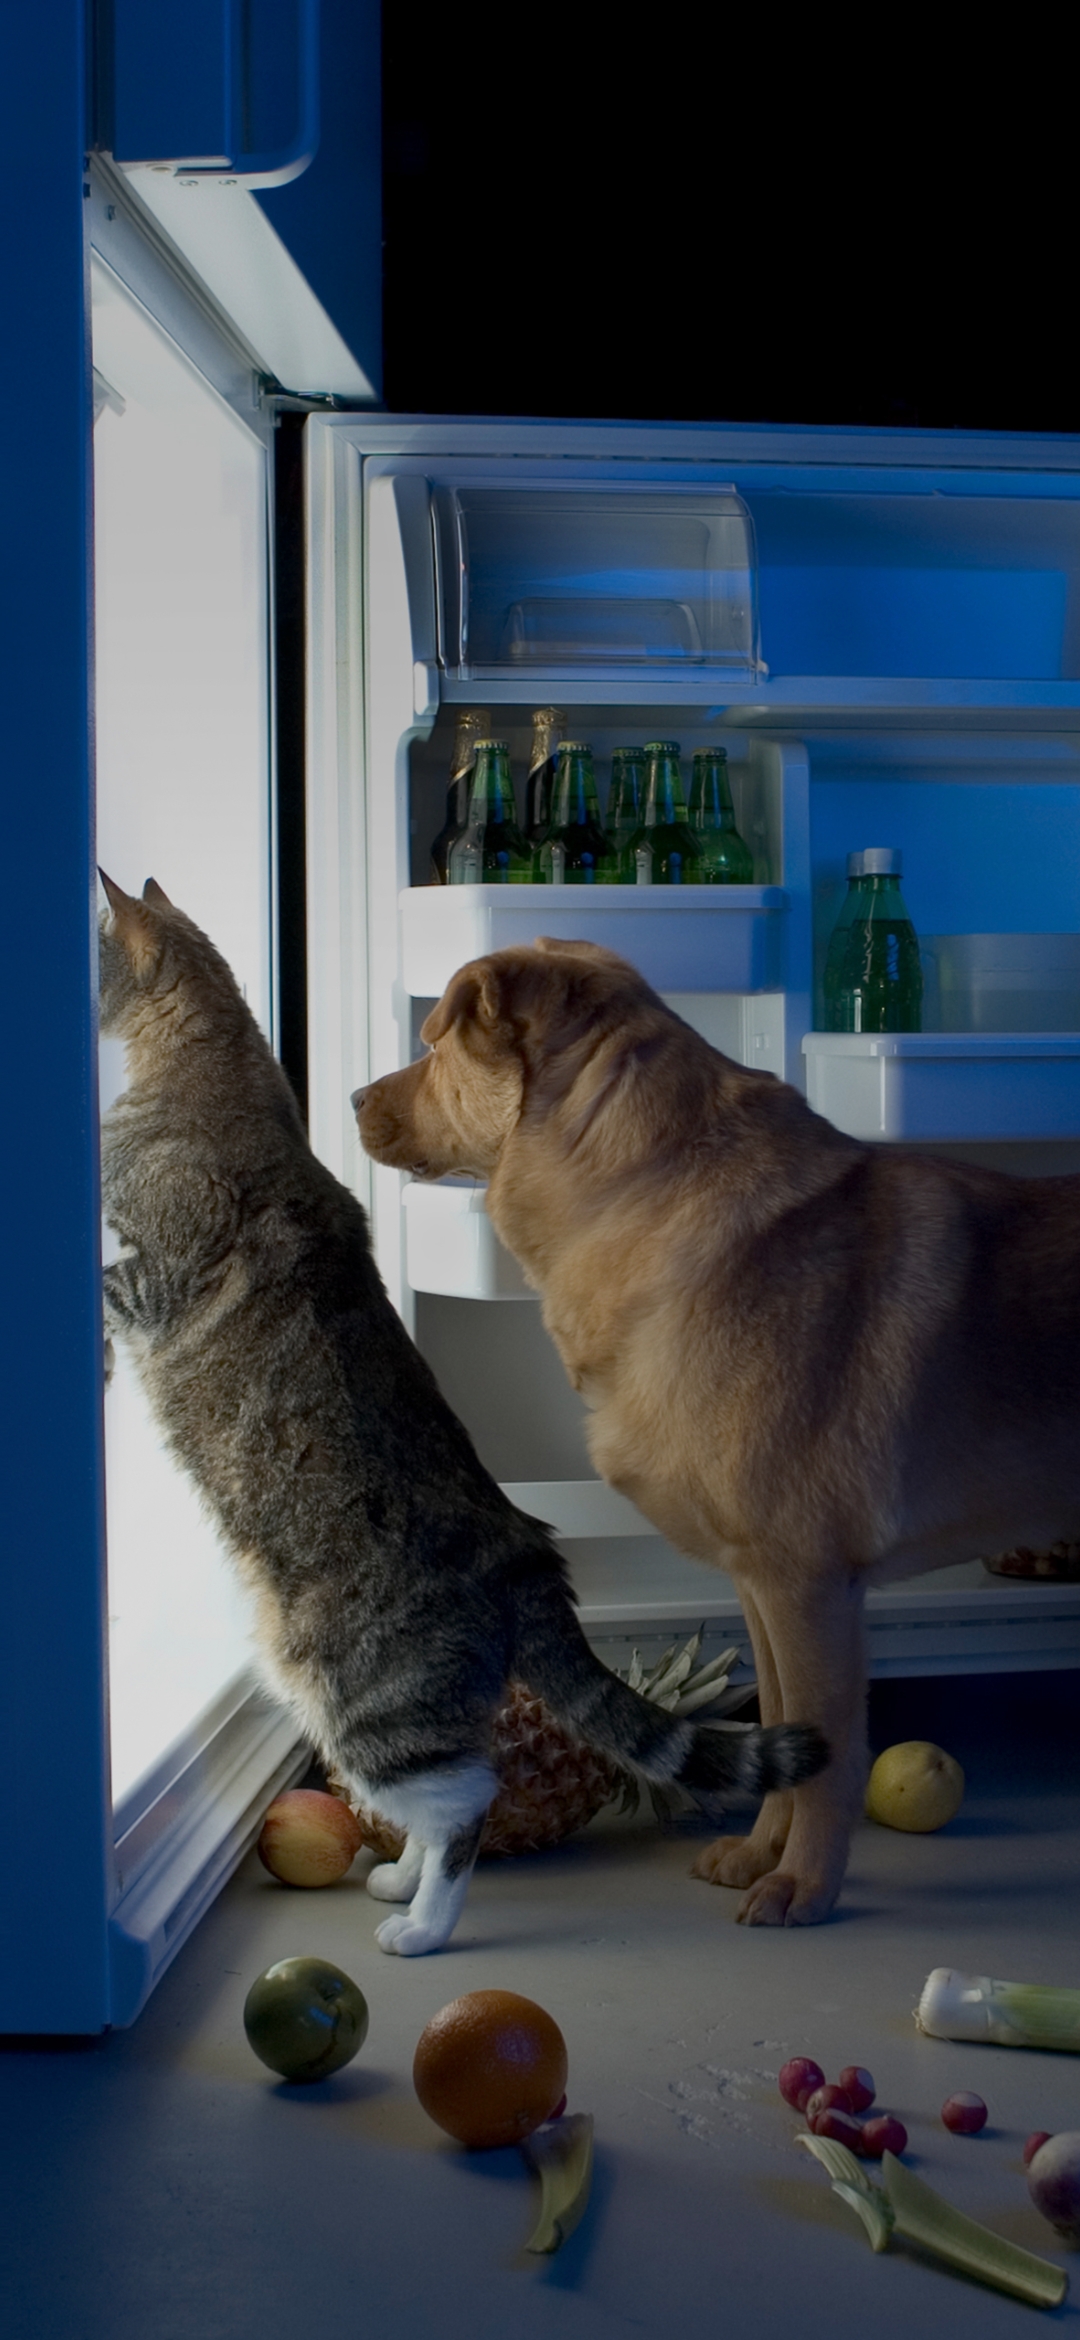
403,1938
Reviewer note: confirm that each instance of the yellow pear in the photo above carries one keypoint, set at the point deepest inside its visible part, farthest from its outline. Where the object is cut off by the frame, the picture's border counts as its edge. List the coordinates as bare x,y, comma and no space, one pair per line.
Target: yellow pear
914,1785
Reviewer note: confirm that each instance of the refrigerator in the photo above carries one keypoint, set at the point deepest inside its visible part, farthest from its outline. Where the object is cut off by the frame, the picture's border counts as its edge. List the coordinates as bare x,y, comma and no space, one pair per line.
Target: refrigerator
882,628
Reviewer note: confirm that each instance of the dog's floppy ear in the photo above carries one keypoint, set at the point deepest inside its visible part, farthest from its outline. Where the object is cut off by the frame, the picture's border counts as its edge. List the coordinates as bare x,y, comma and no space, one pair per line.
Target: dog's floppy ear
475,992
595,953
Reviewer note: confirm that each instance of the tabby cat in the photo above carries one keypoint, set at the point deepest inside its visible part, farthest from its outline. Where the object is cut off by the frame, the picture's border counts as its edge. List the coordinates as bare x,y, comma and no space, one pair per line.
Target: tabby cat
396,1589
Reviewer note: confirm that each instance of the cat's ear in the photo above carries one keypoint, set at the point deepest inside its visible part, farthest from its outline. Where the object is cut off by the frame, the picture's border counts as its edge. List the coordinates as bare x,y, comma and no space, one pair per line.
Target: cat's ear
156,894
118,901
131,924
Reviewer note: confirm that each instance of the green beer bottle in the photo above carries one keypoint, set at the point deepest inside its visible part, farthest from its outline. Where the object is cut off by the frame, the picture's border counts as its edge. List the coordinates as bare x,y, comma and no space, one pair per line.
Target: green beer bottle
663,850
491,850
626,798
726,859
473,723
576,850
547,726
874,983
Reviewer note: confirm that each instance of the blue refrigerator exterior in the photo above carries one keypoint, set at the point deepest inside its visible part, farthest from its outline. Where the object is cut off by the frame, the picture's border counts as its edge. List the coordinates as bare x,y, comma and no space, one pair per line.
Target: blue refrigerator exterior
920,633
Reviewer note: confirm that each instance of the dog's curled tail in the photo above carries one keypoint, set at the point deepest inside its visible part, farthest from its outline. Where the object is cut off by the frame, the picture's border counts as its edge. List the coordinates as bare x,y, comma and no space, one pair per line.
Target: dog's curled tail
553,1658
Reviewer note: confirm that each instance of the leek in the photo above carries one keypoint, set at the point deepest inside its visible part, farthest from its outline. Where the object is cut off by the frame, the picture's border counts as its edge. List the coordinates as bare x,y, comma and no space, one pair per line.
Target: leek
561,2153
974,2006
908,2207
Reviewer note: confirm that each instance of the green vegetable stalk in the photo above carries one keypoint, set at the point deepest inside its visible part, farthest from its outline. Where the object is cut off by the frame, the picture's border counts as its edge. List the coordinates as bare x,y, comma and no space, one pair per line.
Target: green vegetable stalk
561,2153
974,2006
908,2207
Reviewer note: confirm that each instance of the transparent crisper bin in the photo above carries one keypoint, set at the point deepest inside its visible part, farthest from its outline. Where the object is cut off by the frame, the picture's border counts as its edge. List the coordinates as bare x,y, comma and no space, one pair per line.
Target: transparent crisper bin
551,578
938,1086
1001,982
681,938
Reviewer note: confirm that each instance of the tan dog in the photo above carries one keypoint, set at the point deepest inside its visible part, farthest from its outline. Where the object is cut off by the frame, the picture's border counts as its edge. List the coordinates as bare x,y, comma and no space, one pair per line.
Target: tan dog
809,1361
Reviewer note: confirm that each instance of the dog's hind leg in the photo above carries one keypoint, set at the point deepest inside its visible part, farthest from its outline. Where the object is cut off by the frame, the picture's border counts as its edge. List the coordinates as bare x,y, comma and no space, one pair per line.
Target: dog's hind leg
740,1860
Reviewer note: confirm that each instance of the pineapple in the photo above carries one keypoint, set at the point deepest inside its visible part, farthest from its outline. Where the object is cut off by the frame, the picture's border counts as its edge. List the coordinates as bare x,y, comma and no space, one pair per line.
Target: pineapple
551,1781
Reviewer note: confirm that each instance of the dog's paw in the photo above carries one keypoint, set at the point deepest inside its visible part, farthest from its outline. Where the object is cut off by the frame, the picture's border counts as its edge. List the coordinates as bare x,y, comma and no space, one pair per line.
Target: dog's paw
733,1860
393,1881
781,1899
403,1938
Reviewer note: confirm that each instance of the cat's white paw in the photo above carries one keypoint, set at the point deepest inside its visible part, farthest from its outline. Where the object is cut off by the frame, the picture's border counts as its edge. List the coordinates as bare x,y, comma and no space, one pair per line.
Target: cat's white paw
394,1881
403,1938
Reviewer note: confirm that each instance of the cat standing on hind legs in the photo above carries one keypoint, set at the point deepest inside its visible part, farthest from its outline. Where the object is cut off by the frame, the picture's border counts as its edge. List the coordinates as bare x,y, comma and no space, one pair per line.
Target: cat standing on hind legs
396,1590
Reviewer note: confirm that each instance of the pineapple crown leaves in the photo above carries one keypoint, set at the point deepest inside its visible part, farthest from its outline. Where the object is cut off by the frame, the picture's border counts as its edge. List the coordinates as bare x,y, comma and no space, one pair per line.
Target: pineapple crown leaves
683,1688
853,2187
677,1685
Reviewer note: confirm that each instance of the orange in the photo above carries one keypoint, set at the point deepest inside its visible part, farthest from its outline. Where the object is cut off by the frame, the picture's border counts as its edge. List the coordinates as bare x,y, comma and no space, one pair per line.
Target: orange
490,2067
309,1838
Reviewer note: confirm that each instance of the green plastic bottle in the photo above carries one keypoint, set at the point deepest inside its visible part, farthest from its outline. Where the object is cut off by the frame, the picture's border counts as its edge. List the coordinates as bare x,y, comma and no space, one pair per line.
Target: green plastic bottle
576,851
491,850
625,804
873,979
663,850
838,940
726,859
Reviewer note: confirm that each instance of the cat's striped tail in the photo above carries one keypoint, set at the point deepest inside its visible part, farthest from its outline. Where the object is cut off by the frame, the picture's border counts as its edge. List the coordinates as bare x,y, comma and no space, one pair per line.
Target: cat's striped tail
552,1656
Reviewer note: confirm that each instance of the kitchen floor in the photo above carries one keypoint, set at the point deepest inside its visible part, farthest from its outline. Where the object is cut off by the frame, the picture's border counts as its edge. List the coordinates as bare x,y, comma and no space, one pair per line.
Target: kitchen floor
160,2185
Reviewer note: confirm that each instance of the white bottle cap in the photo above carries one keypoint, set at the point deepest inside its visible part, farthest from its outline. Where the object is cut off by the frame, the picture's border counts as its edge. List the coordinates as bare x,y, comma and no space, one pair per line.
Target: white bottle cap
881,861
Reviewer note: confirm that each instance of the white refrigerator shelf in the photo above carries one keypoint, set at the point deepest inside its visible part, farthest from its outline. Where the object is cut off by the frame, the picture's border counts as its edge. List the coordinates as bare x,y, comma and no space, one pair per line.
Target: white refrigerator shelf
633,1588
685,938
935,1086
451,1246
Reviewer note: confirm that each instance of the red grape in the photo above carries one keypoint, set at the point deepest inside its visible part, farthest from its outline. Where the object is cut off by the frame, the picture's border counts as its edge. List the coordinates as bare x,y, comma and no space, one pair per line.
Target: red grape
964,2114
798,2080
860,2086
1038,2137
831,2098
841,2126
884,2134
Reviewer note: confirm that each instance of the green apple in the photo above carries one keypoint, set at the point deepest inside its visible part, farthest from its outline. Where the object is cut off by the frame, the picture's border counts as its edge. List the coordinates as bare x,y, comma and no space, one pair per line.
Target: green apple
305,2018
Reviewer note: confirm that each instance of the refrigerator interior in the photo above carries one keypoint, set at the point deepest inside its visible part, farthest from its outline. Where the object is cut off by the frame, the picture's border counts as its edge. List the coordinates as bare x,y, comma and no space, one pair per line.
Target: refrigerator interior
183,795
914,683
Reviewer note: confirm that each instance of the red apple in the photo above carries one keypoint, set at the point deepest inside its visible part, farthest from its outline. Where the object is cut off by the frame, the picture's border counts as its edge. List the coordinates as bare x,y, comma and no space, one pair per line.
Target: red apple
309,1838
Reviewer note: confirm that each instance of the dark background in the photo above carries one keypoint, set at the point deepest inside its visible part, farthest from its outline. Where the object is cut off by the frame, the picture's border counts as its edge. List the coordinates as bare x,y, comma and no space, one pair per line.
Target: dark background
682,215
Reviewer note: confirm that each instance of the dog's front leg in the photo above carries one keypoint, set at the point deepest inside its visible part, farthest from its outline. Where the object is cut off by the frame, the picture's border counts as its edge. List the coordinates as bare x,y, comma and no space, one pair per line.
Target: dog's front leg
814,1627
739,1860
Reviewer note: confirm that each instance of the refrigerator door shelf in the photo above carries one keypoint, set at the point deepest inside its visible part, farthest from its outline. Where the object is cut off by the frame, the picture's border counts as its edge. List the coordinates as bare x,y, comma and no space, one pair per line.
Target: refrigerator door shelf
686,938
937,1086
451,1246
